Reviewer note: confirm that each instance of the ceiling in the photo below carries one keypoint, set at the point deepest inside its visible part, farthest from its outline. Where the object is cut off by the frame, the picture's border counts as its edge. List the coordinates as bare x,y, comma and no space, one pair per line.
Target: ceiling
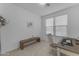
43,10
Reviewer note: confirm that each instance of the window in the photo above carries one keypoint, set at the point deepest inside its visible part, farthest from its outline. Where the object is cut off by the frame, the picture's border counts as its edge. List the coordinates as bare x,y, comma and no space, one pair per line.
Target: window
61,25
49,26
58,25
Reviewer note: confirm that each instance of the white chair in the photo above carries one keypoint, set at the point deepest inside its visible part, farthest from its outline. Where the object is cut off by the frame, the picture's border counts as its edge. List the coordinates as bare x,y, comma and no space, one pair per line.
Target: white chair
52,50
50,38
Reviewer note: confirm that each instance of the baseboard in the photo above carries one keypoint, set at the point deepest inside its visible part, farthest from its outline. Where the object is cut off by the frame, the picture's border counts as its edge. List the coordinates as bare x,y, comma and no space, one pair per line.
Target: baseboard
7,52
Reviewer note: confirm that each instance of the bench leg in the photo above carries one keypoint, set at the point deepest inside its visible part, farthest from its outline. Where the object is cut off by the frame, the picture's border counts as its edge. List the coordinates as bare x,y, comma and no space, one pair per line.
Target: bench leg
38,40
21,46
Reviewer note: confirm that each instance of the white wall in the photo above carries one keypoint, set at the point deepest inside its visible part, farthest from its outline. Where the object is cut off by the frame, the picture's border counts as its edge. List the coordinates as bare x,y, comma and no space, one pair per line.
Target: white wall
74,22
17,29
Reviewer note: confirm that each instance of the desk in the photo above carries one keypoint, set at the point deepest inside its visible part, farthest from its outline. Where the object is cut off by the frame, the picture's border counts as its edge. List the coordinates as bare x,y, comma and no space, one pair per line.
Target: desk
67,50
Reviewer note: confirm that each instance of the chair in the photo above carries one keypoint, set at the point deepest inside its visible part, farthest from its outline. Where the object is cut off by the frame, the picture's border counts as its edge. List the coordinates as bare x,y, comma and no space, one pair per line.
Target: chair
50,38
52,49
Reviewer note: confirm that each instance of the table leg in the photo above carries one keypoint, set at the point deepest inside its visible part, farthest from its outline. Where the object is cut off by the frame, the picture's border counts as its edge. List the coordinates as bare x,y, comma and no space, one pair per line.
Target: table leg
58,51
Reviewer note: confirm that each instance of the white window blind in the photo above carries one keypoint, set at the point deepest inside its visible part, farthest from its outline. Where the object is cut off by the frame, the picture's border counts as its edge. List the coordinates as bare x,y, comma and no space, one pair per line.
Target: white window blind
49,26
57,25
61,25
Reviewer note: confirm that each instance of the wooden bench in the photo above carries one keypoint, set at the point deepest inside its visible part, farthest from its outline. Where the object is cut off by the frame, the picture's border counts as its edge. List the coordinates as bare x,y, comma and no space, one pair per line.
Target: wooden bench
29,41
